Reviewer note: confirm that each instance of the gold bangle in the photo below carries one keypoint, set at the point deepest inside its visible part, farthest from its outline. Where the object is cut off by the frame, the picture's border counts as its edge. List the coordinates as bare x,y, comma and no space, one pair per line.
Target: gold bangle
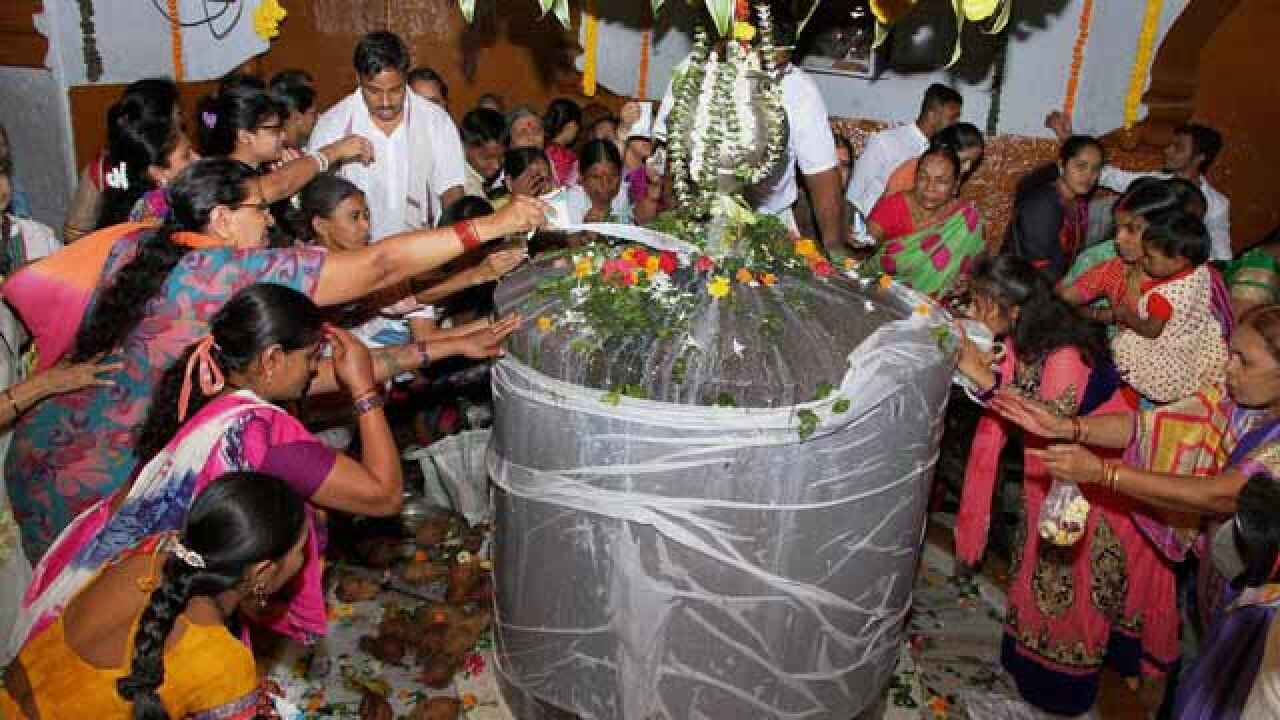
1115,477
1075,428
1084,432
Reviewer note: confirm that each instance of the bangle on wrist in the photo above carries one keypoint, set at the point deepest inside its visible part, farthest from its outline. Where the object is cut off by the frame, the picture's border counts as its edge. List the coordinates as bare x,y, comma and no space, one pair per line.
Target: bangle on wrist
368,402
1075,428
322,162
467,235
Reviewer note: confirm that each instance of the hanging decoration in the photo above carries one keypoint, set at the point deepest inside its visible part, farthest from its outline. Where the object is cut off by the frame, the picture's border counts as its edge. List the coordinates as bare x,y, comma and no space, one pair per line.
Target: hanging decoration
590,46
642,81
175,40
92,58
1077,58
1000,69
1142,61
266,19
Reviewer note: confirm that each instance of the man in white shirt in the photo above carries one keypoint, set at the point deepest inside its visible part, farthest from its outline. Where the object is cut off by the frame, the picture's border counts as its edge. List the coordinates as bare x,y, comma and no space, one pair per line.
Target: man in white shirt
418,167
1189,156
810,145
891,147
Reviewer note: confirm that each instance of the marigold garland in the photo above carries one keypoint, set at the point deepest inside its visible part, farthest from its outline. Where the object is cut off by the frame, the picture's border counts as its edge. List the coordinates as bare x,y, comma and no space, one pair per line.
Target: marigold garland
1142,61
1077,58
591,29
175,40
642,81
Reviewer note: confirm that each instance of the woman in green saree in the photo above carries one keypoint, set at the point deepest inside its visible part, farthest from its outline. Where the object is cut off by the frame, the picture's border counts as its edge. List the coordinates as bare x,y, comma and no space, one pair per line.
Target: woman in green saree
927,238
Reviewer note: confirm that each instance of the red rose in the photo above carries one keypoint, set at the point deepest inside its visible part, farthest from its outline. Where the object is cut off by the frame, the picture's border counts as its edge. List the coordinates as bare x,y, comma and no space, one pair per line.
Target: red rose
628,278
822,268
704,263
640,257
667,262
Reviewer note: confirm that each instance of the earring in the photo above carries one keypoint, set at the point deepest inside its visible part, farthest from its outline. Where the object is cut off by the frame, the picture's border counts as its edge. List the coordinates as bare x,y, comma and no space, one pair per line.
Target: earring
260,595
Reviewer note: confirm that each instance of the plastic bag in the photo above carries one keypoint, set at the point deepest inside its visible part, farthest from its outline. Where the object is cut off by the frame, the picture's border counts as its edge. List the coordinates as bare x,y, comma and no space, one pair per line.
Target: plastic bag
1064,514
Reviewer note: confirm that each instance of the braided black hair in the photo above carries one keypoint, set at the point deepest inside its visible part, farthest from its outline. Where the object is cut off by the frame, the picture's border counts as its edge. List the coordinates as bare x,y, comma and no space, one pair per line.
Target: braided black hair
193,195
242,519
142,132
254,319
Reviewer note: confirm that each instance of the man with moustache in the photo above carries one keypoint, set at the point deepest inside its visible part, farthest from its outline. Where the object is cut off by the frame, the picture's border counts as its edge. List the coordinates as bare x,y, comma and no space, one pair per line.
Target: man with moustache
418,167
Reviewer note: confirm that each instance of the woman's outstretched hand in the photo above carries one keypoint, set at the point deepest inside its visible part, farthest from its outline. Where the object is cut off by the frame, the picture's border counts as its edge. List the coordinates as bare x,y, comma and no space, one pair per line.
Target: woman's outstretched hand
67,377
486,342
352,363
1071,462
522,214
1030,415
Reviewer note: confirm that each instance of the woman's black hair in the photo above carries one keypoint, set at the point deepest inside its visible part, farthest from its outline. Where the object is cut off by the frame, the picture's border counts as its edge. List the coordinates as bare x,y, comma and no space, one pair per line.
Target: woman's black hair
242,519
1257,532
517,160
1179,234
1189,197
842,142
141,133
467,207
598,151
293,95
193,195
959,137
559,114
219,117
254,319
945,153
1044,322
318,198
1077,144
240,82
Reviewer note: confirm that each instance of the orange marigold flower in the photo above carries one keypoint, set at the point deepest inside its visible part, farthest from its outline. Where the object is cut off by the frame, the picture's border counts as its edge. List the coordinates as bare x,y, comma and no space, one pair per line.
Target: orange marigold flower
544,325
885,282
469,700
768,279
922,309
652,265
744,276
806,248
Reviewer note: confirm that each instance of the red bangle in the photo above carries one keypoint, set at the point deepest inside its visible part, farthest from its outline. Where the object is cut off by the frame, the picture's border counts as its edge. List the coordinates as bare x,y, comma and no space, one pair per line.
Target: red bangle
467,235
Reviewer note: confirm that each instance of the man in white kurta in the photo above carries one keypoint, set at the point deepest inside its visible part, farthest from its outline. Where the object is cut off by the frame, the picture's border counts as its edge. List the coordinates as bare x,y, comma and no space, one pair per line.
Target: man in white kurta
891,147
418,167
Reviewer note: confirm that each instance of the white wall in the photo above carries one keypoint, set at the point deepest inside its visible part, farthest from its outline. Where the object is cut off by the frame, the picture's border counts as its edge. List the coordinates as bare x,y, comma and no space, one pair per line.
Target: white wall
1041,35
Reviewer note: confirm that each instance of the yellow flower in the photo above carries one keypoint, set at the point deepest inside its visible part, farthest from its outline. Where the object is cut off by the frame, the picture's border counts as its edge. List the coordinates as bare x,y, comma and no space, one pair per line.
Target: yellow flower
718,287
744,31
469,700
922,309
544,324
806,248
629,255
583,268
652,265
885,282
850,263
744,276
768,279
266,19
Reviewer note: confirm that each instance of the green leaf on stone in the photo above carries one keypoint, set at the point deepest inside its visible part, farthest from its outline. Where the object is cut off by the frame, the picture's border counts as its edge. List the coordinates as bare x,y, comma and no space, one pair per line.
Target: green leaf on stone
613,397
808,423
824,390
841,406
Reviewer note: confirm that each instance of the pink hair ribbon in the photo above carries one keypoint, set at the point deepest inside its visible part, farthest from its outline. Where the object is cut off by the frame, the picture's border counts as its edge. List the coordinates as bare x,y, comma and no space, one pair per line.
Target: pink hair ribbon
211,379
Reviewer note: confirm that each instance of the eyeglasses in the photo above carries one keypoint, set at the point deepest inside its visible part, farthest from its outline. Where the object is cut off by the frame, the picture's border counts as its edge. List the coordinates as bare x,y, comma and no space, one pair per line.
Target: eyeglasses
263,207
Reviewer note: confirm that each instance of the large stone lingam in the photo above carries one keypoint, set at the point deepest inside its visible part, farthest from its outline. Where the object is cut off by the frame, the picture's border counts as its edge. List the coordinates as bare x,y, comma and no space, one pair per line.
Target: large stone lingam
710,474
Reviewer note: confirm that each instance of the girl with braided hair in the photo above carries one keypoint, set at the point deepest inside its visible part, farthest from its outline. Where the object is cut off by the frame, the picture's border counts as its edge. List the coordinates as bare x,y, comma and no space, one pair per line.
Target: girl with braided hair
147,638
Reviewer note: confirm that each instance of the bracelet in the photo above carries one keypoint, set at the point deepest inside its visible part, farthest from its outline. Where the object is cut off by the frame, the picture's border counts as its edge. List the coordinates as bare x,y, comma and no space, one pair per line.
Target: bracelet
424,355
321,161
1114,481
989,394
1075,428
368,402
467,235
12,403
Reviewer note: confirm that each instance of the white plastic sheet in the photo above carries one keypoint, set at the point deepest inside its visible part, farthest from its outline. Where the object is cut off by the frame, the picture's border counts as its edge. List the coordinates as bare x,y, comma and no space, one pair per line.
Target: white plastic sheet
657,560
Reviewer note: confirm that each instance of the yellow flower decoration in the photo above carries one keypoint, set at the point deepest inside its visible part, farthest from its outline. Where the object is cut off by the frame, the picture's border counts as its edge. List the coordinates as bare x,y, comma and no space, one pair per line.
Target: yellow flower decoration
922,309
744,276
583,268
850,263
744,31
718,287
544,324
652,265
266,19
629,255
885,282
806,248
768,279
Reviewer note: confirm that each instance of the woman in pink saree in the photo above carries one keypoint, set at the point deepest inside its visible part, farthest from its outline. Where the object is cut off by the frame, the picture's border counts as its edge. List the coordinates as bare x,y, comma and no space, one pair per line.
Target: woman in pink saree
212,413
